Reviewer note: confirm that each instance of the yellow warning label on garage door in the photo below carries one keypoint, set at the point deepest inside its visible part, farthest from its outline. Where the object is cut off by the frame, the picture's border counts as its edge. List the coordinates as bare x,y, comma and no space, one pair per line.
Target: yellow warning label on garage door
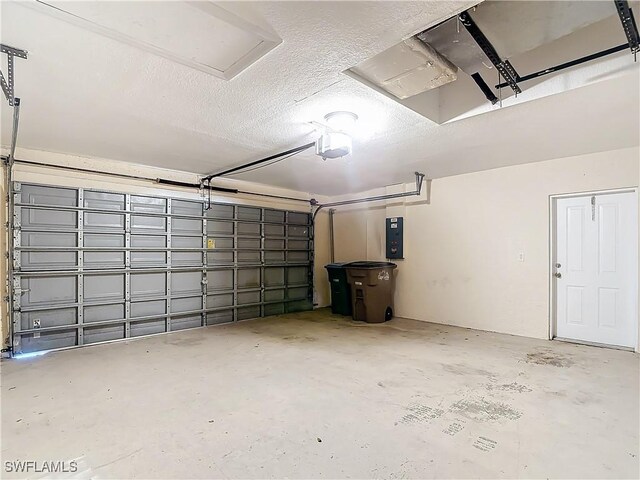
211,243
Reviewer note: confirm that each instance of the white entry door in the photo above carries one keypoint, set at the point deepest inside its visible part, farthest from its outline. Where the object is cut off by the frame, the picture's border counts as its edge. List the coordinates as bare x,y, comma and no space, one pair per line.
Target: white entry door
596,268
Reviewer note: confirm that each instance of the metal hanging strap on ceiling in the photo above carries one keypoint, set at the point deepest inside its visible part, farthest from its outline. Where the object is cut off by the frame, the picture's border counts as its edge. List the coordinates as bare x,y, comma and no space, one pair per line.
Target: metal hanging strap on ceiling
504,67
628,25
8,83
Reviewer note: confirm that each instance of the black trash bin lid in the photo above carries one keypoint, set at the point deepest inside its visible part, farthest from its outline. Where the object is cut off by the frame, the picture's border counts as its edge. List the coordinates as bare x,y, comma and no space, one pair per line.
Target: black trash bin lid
371,265
336,265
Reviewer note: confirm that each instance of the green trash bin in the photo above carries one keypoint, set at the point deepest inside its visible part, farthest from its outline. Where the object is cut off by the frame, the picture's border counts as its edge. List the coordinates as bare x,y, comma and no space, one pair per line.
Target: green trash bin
340,289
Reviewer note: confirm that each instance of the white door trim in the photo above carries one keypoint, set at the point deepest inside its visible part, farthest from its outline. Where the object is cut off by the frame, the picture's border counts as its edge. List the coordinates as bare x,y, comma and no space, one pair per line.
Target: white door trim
552,254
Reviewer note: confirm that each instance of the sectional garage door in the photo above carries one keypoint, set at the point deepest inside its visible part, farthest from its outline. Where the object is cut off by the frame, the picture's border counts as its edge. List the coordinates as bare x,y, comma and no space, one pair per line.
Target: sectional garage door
93,266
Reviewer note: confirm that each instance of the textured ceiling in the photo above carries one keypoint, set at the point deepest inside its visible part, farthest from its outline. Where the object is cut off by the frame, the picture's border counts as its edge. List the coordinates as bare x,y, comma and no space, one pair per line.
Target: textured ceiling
89,95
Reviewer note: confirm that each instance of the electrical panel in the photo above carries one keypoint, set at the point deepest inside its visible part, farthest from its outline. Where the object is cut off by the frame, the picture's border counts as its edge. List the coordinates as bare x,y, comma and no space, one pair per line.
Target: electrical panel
394,238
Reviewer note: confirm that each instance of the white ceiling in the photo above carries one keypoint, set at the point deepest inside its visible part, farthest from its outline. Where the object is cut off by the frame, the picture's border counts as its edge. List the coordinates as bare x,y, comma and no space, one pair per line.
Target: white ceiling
86,94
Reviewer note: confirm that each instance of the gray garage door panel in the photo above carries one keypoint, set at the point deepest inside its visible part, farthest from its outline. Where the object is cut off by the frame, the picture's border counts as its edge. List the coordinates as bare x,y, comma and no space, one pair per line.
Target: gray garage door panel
148,241
178,241
149,308
93,266
186,283
148,284
220,280
181,323
104,260
100,287
186,207
148,204
104,200
148,259
186,259
248,277
298,257
246,313
298,231
274,309
218,210
100,313
103,221
274,257
48,291
220,258
275,216
222,228
104,333
220,300
249,243
249,229
48,318
187,226
48,239
49,260
248,256
273,230
247,298
33,342
187,304
141,223
274,277
299,293
44,195
148,327
46,219
104,240
225,316
273,295
297,275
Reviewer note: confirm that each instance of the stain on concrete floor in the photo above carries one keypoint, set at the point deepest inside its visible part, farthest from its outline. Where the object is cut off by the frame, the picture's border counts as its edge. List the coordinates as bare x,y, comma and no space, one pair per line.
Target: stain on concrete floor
514,387
466,370
484,444
421,413
547,357
481,409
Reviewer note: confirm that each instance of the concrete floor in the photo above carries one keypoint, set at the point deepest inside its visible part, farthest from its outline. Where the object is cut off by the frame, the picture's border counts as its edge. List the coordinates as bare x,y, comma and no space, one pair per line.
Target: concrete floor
314,395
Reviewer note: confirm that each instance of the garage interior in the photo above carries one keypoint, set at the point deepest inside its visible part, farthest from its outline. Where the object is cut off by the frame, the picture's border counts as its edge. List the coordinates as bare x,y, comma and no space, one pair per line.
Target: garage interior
320,239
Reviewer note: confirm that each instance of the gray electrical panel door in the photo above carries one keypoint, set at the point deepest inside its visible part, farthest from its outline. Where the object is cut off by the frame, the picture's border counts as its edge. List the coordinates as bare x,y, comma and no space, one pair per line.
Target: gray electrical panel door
92,266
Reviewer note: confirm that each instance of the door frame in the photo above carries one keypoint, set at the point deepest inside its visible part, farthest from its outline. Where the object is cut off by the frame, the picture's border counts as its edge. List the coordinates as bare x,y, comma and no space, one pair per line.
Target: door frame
552,260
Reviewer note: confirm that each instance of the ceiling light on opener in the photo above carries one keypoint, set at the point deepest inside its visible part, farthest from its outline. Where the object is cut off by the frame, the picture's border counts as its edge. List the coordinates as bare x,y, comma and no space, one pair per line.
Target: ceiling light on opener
335,142
341,121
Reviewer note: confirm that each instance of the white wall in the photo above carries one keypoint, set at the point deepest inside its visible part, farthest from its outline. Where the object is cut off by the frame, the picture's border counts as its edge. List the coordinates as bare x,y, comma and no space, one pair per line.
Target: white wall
56,176
461,262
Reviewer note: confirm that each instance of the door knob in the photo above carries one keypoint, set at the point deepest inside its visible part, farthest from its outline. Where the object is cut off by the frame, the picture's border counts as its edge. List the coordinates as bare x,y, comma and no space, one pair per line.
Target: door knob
557,275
